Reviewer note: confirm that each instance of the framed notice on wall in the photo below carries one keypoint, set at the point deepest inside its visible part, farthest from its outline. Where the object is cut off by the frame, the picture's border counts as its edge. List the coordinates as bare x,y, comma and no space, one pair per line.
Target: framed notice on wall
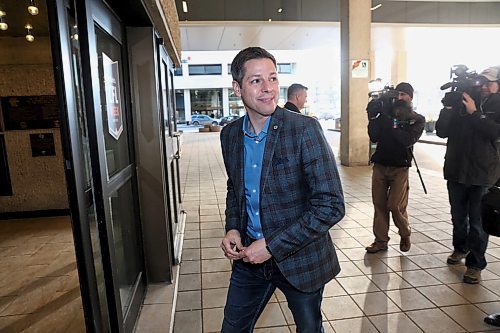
30,112
42,144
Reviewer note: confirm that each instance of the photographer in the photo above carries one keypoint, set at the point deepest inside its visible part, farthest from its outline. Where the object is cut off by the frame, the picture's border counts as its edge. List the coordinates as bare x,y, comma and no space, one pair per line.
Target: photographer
471,165
395,127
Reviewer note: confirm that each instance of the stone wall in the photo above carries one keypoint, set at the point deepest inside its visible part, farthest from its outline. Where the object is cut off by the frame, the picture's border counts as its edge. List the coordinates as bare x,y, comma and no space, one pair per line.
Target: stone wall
38,183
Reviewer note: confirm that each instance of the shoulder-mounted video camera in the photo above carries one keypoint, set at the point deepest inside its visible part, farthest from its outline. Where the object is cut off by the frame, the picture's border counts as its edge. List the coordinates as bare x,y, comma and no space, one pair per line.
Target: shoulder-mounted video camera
462,81
382,102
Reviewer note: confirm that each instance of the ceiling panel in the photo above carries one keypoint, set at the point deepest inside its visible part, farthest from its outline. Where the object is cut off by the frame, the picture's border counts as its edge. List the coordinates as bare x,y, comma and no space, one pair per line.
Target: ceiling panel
238,37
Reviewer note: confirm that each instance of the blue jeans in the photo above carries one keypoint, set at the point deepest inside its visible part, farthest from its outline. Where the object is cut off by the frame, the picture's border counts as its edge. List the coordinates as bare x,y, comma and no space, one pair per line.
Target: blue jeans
250,289
468,233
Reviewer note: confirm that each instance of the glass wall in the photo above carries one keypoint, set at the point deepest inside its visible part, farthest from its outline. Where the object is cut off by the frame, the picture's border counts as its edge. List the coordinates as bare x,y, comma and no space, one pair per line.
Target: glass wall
207,101
235,104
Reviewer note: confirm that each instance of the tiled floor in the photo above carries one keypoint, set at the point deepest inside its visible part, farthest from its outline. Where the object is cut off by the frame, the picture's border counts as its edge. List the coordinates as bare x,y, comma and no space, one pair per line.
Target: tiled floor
39,290
385,292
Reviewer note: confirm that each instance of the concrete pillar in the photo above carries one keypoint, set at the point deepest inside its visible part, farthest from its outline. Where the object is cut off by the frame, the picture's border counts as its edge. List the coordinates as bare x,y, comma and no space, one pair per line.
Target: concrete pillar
355,30
225,101
399,63
187,104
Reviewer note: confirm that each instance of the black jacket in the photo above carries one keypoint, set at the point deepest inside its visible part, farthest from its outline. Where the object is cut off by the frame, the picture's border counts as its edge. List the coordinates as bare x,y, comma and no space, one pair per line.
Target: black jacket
292,107
395,143
472,151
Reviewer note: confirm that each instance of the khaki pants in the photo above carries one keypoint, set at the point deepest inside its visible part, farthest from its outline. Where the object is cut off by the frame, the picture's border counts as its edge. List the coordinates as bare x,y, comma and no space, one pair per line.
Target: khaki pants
390,189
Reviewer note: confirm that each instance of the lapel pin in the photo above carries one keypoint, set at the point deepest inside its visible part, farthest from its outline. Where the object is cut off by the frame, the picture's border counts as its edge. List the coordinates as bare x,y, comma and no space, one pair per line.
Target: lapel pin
275,127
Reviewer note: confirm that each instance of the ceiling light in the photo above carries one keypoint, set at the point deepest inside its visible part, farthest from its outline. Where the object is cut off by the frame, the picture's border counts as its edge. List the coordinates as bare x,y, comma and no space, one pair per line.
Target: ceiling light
3,24
185,6
269,20
280,10
376,7
29,36
32,8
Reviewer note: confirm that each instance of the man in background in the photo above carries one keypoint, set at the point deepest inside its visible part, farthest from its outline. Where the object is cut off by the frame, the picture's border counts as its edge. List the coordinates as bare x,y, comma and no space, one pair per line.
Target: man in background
297,97
471,166
395,127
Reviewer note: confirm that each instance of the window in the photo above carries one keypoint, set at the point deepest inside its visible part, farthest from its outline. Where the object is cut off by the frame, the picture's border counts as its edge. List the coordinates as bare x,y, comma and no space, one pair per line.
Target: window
229,69
178,71
205,69
286,68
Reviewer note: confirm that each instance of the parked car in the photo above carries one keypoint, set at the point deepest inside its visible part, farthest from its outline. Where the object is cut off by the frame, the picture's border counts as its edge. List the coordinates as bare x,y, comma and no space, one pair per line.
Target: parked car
228,119
201,119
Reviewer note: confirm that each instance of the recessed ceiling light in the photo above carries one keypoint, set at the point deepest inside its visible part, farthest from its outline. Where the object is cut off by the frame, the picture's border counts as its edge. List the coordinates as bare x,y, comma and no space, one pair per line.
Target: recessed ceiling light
269,20
376,6
280,10
184,6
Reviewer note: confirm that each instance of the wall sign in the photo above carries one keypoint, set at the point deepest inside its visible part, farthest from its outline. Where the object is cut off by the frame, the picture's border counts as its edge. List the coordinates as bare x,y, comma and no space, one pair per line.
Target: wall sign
113,97
42,144
359,69
30,112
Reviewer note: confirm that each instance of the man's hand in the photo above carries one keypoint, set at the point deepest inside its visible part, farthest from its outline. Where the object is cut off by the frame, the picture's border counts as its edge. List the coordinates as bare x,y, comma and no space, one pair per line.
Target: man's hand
231,245
470,105
452,99
257,252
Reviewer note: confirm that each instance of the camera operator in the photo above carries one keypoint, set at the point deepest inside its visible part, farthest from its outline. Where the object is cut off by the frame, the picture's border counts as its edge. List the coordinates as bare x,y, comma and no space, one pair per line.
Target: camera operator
395,127
472,165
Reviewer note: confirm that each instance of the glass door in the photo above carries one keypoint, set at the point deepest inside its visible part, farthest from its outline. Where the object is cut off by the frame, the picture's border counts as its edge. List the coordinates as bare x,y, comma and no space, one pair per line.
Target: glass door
113,167
172,153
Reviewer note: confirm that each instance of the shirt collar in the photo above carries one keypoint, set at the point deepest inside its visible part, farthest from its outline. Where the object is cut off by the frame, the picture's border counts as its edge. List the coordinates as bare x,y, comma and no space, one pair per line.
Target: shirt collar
247,132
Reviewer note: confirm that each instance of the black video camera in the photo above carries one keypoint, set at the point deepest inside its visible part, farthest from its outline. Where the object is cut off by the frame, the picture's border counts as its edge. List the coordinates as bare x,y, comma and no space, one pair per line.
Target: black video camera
382,102
463,80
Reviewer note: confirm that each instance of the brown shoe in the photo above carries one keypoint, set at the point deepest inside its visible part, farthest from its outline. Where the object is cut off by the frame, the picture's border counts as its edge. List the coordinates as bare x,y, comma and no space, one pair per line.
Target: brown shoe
455,258
472,275
376,247
405,244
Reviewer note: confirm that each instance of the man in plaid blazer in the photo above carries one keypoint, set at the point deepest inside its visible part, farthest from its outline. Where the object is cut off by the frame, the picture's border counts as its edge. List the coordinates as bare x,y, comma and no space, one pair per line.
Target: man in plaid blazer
283,196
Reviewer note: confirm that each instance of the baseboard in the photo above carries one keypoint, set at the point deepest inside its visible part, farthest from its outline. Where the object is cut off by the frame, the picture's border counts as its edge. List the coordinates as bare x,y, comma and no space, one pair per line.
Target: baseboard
34,213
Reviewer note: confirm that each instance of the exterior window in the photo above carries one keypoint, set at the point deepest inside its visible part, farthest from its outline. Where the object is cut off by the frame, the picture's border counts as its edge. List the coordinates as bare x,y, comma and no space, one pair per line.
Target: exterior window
286,68
205,69
235,104
229,69
283,96
206,102
178,71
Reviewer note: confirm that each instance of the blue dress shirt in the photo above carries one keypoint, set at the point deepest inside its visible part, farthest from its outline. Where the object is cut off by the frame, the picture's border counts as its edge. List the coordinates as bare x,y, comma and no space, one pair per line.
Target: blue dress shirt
254,155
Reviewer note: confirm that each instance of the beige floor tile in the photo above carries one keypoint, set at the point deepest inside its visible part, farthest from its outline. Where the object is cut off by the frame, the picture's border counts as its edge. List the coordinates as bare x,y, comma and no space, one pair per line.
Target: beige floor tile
446,274
333,288
434,321
349,269
354,325
212,233
192,234
357,284
211,242
399,264
281,329
394,323
271,316
187,322
489,307
427,261
216,265
372,265
216,280
212,319
492,285
210,225
190,282
340,307
191,254
474,293
190,266
213,298
419,278
188,300
191,244
409,299
159,293
442,295
468,316
375,303
389,281
212,253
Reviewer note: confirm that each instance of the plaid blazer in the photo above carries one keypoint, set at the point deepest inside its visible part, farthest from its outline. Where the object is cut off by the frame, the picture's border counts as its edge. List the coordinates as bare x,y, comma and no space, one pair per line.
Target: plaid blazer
300,196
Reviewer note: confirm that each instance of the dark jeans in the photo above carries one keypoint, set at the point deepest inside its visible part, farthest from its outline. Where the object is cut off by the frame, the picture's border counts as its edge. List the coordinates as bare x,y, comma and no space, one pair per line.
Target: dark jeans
250,289
468,233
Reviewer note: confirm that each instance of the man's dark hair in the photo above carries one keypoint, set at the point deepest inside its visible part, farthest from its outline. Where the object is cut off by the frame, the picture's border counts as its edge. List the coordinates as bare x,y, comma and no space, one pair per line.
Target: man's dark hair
250,53
294,89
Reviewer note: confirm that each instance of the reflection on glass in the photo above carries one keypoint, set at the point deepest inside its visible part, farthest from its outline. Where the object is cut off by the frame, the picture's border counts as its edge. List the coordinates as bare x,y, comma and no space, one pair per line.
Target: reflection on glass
85,158
126,242
112,102
207,101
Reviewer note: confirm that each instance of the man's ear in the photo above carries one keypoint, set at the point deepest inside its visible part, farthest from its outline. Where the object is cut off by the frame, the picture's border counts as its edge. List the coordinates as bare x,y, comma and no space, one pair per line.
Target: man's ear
236,88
